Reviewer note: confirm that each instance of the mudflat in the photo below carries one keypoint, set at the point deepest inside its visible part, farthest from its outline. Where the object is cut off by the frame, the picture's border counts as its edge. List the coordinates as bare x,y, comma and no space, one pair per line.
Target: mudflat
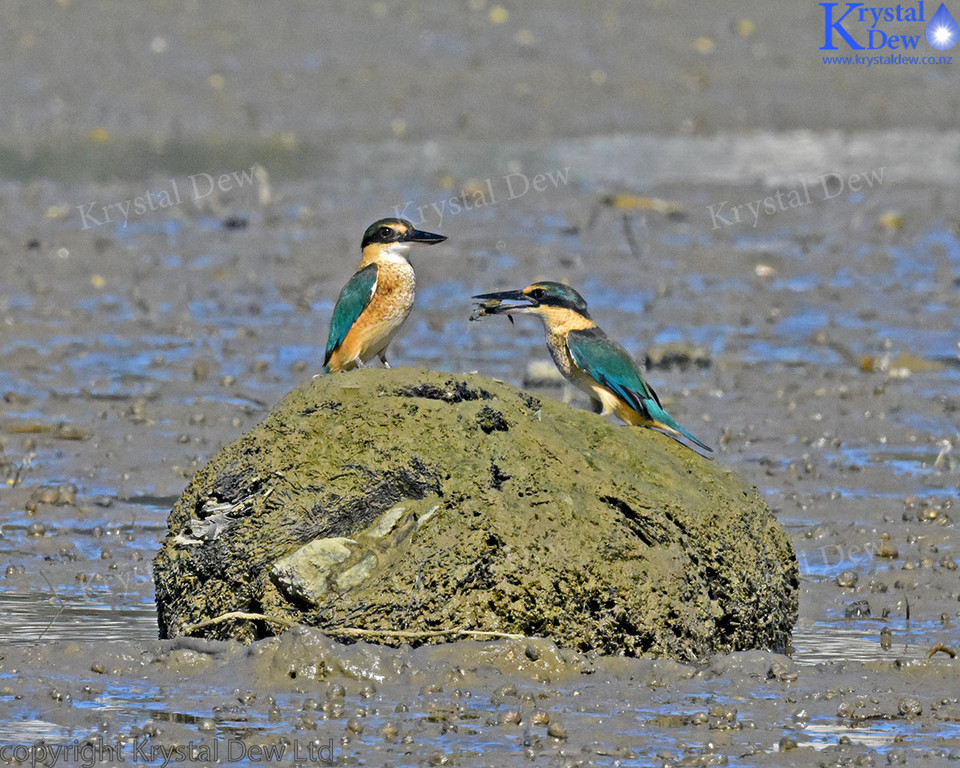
183,196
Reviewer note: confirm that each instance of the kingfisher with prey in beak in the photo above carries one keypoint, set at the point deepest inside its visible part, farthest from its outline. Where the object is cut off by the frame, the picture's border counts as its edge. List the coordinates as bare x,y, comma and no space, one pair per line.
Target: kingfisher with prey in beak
377,299
585,355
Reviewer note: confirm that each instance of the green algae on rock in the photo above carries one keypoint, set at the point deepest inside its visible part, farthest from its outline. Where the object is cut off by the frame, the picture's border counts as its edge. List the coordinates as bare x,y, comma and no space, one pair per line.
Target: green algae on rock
417,501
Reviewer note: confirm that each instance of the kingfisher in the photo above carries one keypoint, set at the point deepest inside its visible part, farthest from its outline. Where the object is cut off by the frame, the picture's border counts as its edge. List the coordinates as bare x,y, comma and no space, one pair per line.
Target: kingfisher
377,299
586,356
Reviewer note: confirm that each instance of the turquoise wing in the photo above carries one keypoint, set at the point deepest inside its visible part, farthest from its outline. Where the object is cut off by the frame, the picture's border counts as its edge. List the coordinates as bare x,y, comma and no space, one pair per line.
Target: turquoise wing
608,363
353,299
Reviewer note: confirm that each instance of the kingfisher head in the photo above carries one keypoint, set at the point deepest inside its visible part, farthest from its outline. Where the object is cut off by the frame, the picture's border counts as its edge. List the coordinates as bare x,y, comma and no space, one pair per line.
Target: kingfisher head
551,301
393,237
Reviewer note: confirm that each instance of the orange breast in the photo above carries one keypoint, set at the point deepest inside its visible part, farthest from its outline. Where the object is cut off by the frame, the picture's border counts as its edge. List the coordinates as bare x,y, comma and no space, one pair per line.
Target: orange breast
382,317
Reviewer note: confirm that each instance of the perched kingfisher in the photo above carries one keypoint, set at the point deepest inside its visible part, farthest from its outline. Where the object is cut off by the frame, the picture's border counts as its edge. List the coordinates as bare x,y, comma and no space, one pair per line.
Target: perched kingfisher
377,299
585,355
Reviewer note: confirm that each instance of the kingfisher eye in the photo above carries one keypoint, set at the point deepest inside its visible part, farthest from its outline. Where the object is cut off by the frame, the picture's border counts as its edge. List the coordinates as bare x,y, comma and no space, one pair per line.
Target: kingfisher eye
386,232
537,293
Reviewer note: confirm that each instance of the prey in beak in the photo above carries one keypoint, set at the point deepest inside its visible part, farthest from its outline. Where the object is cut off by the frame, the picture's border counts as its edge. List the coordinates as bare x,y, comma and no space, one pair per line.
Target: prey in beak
492,304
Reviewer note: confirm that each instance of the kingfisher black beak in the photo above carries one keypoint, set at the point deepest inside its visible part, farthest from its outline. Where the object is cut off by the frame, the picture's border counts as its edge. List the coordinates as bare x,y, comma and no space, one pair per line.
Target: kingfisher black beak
427,238
501,296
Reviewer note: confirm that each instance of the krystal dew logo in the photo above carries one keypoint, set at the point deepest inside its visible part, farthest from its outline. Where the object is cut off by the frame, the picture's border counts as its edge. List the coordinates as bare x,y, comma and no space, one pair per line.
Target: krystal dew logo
861,27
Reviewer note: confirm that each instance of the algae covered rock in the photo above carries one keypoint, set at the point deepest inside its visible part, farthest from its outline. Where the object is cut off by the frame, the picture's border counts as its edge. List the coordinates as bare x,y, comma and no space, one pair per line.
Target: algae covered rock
412,501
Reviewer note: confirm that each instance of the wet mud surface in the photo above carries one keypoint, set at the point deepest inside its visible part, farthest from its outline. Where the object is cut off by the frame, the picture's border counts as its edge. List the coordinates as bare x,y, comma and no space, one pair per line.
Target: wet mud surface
823,334
131,357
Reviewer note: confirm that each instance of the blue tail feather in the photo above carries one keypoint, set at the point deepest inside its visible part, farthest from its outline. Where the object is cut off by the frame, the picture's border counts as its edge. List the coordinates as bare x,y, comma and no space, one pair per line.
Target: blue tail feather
659,415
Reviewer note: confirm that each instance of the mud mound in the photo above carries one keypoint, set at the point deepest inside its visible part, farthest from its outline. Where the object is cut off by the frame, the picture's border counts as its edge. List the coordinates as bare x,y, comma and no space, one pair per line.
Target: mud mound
400,504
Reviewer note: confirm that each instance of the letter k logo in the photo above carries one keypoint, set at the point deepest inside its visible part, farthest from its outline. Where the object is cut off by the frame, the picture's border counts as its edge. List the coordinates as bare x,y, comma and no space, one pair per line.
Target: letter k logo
830,26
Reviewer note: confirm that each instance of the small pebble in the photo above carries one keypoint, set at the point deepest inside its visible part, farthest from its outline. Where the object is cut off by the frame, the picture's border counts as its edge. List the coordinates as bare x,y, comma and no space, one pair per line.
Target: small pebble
847,579
67,494
781,671
556,731
48,496
509,717
888,551
857,610
306,723
886,638
723,712
787,742
909,706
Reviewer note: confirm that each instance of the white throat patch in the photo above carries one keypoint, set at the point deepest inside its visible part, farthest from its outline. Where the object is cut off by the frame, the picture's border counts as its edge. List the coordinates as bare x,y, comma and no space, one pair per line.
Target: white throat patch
396,251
